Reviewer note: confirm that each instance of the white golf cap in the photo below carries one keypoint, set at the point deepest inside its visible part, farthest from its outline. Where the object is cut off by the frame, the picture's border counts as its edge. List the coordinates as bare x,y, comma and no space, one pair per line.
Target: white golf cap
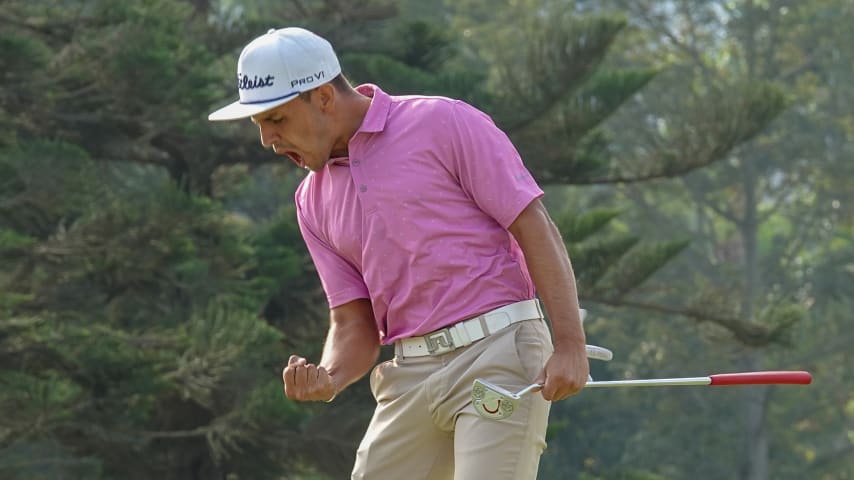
276,67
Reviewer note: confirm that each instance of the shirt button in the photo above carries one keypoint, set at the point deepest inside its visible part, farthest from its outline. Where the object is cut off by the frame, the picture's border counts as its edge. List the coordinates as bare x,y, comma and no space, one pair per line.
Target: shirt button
356,162
363,188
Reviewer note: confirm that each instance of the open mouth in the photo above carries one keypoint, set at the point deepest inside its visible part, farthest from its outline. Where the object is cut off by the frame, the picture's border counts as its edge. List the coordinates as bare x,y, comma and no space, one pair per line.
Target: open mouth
296,158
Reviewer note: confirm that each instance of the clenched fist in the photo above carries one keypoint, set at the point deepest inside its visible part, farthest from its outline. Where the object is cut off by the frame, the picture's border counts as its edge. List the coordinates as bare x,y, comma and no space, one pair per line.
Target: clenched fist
307,382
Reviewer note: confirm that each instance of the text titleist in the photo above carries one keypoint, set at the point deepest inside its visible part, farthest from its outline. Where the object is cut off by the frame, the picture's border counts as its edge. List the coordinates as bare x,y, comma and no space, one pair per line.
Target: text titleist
246,83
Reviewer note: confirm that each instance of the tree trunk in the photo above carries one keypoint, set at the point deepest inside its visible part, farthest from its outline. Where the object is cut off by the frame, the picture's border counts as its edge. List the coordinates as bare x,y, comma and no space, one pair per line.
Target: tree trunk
756,467
755,399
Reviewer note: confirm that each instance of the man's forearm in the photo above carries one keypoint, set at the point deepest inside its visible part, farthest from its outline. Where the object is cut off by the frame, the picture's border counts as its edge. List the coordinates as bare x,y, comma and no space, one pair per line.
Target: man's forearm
552,274
553,277
351,348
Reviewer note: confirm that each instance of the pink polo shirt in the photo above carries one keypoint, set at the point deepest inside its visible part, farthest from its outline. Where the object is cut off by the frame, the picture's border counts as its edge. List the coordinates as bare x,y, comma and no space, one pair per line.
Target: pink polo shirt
417,220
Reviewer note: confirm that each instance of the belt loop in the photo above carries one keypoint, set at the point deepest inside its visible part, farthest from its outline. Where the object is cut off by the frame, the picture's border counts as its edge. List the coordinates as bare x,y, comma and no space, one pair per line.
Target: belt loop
484,326
460,335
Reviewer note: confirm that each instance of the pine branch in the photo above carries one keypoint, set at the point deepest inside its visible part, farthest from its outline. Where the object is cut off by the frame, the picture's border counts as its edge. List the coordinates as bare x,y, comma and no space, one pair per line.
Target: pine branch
748,334
778,200
714,129
560,59
641,12
726,214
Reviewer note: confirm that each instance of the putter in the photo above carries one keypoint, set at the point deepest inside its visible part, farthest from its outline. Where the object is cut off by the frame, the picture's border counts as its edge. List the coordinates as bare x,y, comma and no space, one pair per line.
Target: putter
497,403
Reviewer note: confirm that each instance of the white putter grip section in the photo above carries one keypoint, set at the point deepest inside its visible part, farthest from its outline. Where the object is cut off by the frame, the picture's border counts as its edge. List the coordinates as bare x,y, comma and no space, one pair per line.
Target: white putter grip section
594,352
599,353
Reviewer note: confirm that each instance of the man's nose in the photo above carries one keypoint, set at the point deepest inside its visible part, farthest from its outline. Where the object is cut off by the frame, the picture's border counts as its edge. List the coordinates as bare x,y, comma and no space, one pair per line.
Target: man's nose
268,136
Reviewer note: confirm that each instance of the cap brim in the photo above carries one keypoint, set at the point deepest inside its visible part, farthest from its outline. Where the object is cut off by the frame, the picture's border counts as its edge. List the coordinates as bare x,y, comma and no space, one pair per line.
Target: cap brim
237,110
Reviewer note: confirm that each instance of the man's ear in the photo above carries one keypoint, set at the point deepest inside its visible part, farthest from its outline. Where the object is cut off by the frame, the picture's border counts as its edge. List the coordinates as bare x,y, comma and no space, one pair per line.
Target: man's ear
326,95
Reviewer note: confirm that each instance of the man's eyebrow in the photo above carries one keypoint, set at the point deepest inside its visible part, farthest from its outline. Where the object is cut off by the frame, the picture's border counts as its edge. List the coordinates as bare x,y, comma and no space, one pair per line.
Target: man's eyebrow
261,118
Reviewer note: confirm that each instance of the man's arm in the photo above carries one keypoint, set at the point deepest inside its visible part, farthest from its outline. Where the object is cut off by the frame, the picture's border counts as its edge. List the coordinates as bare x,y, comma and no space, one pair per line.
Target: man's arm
351,350
565,373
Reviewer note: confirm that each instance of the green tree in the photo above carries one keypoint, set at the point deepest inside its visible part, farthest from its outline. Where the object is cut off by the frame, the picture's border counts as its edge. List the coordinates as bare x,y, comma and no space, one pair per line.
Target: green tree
762,223
130,335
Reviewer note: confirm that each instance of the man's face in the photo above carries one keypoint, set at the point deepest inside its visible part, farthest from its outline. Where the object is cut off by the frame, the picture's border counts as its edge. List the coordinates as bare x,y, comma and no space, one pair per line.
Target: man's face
299,129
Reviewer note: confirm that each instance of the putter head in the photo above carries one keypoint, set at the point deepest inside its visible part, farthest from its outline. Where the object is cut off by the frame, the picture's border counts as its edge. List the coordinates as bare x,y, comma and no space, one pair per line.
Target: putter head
491,401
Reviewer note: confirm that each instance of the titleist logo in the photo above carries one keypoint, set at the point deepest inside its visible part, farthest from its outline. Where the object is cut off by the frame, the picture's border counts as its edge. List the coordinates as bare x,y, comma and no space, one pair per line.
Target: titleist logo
246,83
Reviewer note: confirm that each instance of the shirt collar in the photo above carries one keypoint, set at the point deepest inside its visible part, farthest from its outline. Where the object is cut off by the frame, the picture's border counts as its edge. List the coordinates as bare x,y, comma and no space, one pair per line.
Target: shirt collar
375,118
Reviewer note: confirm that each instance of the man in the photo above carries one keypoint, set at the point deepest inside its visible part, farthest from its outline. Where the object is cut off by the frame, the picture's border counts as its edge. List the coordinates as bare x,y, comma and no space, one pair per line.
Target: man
428,233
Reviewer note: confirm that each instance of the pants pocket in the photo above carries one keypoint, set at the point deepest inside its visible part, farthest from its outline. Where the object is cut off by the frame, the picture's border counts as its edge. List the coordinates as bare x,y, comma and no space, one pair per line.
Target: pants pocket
533,347
379,376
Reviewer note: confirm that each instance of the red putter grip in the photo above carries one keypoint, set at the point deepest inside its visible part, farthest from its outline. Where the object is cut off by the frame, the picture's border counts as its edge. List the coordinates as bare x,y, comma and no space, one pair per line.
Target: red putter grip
762,378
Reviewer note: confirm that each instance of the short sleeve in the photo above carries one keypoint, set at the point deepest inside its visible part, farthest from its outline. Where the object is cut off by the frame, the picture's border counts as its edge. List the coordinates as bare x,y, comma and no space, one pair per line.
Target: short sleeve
489,167
340,279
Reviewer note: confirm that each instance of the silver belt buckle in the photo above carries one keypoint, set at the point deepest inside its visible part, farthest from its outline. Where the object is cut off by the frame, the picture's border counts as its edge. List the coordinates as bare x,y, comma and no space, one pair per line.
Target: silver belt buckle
439,342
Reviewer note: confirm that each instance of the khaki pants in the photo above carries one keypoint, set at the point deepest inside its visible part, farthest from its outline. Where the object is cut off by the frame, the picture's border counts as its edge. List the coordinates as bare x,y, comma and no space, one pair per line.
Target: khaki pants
425,428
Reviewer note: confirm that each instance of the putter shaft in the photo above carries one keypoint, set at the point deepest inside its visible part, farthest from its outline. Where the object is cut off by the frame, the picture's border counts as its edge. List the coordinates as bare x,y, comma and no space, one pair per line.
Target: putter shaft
745,378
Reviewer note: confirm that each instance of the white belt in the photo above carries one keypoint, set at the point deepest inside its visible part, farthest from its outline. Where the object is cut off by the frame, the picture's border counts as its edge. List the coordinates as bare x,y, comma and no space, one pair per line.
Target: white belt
465,333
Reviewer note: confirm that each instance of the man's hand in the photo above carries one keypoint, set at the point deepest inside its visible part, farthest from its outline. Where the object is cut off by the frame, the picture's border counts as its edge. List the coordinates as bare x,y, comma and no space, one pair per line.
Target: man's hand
565,373
307,382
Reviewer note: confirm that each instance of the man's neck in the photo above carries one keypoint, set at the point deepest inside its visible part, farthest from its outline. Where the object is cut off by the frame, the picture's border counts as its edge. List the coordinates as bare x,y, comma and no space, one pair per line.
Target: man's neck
354,109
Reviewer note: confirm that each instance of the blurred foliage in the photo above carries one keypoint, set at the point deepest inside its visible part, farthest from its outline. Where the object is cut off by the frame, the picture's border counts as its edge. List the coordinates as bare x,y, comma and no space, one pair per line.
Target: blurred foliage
753,284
